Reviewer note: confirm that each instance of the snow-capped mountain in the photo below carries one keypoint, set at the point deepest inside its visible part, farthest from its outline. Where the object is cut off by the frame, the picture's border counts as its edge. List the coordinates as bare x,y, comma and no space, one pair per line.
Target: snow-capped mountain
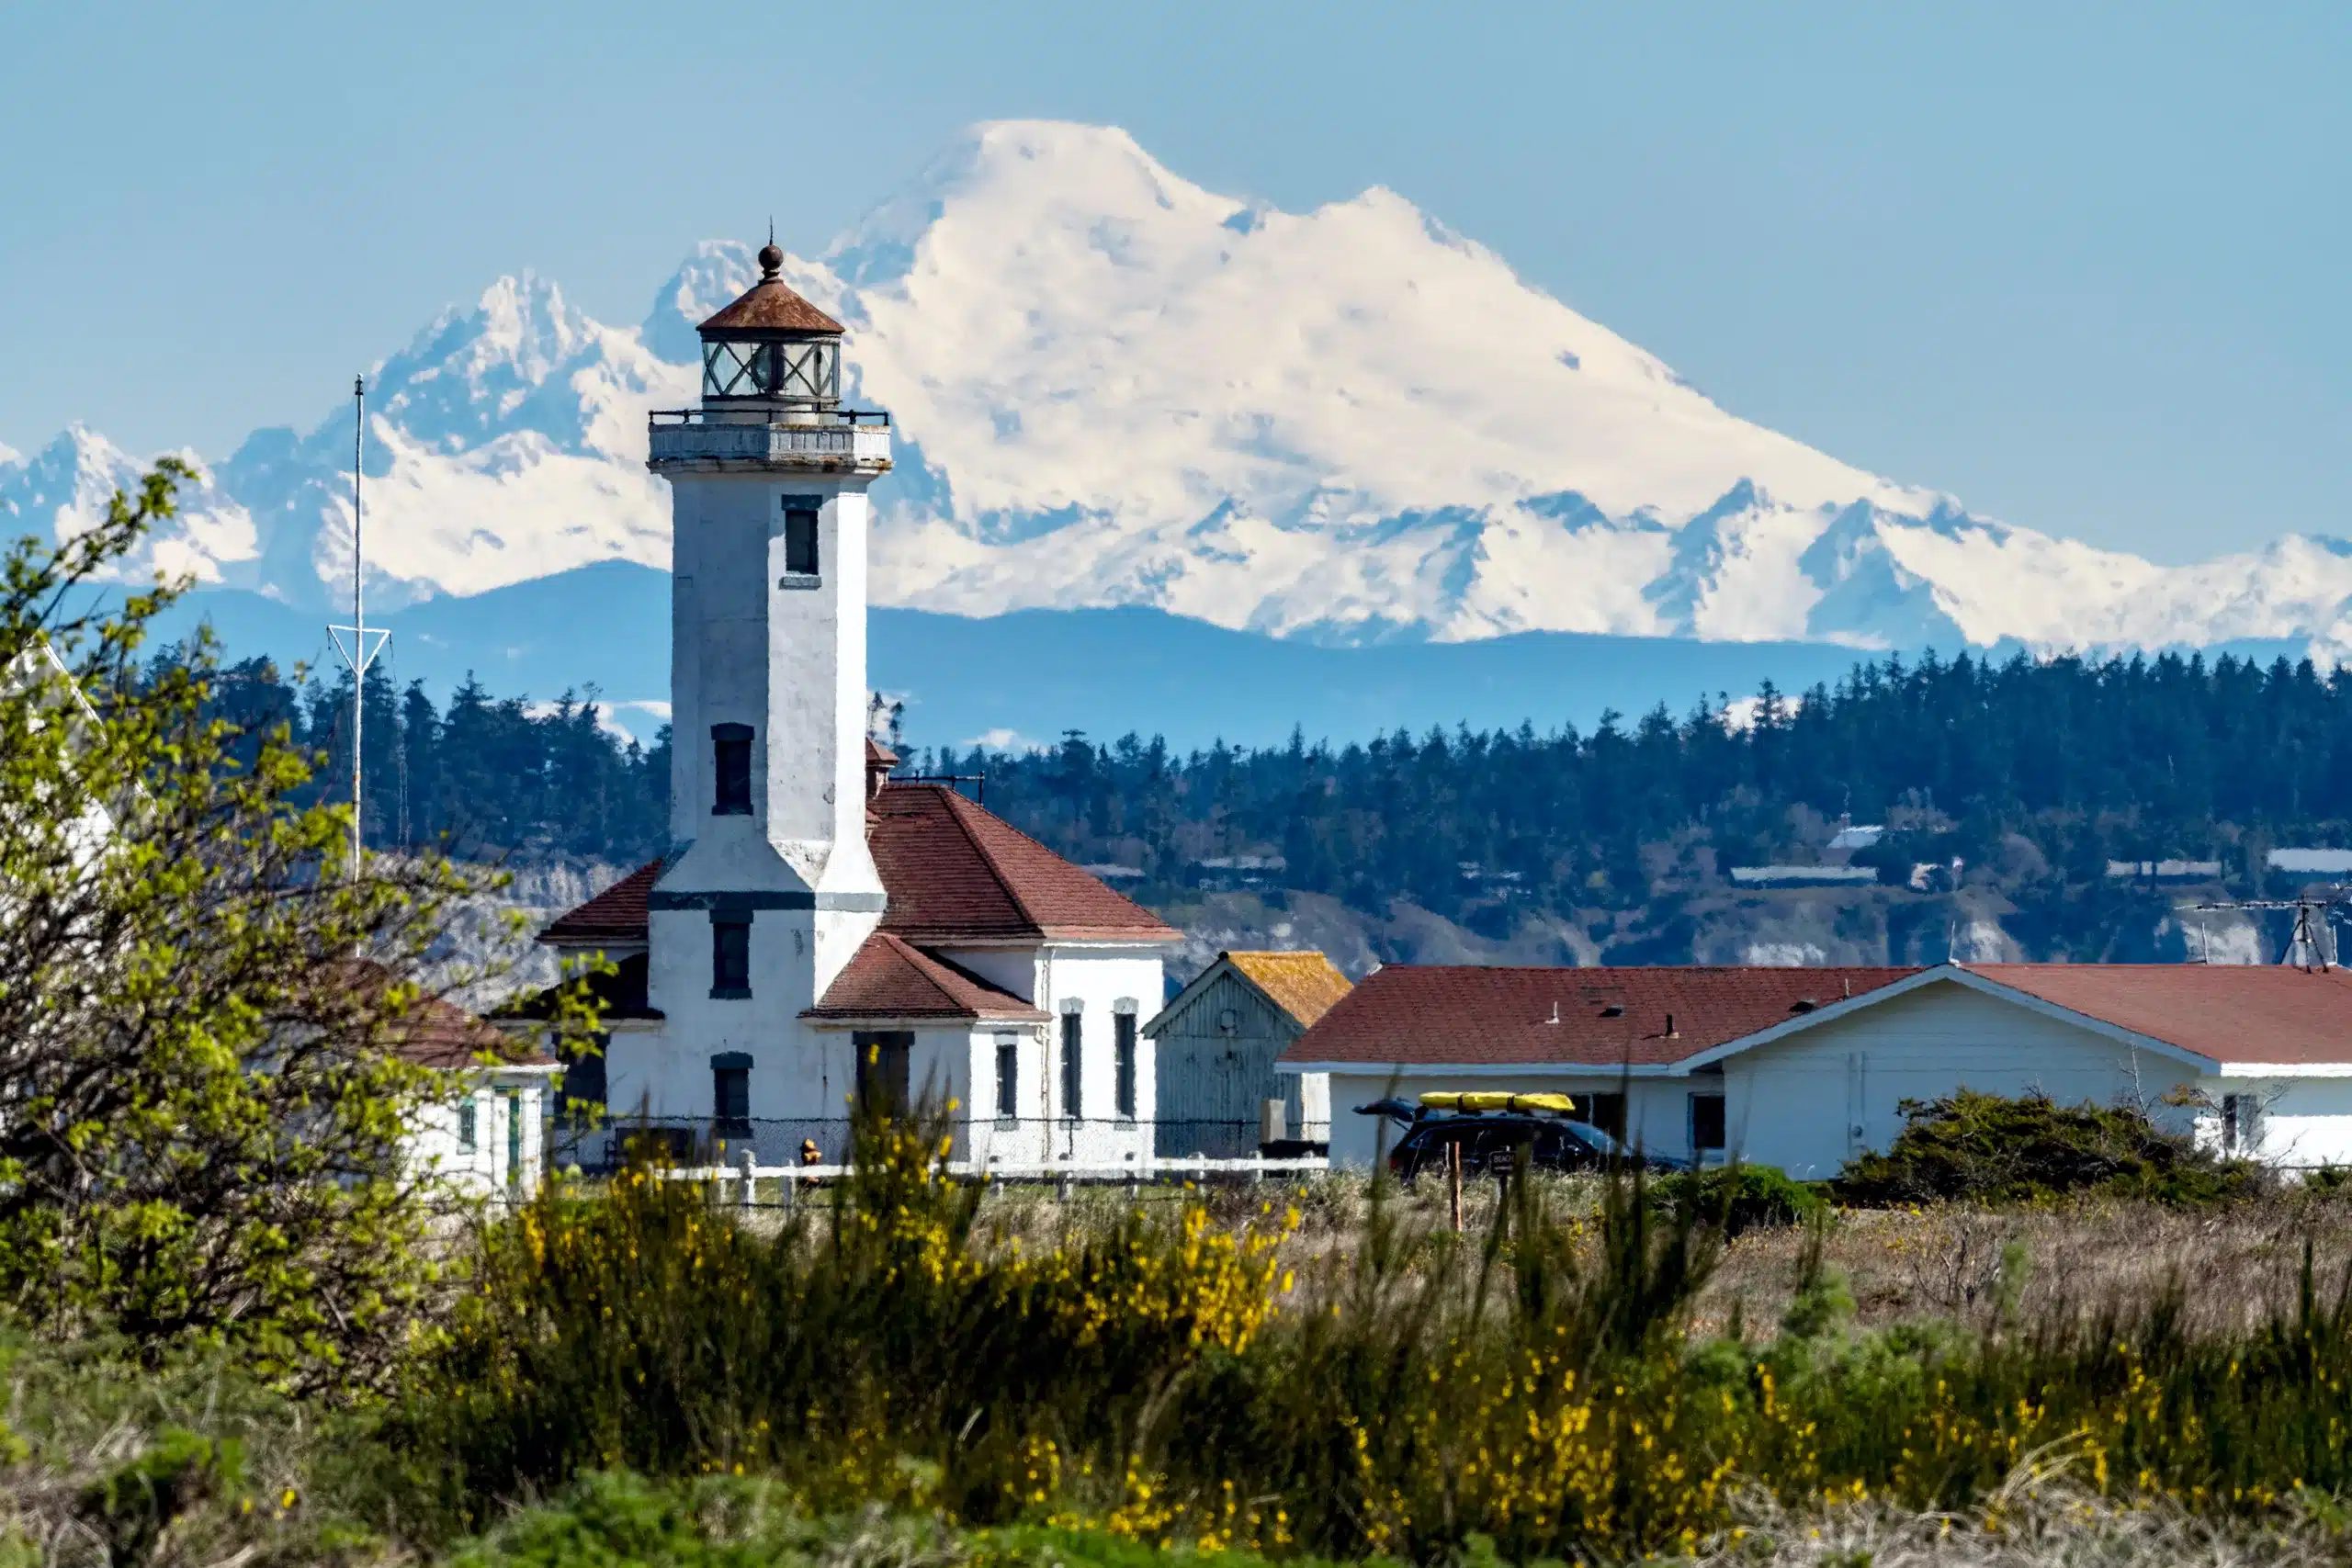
1113,387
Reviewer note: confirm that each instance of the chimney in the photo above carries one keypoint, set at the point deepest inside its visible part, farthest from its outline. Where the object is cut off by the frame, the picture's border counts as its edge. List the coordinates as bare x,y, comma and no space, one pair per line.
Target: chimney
880,760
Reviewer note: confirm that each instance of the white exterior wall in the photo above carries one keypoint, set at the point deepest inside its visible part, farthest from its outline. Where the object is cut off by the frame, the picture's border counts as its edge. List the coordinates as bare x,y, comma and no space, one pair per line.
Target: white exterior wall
2300,1124
1098,980
489,1169
1809,1102
783,654
1657,1109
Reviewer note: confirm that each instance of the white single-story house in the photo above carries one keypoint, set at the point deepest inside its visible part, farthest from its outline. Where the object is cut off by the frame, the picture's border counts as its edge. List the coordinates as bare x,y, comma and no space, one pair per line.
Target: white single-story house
486,1138
1804,1068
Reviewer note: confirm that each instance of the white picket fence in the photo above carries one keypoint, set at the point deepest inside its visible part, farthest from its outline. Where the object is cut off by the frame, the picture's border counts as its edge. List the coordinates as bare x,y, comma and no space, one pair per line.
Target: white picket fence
746,1174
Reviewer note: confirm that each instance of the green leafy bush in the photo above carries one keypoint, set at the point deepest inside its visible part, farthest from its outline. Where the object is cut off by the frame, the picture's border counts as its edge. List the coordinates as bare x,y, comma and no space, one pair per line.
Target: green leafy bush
1737,1198
1988,1149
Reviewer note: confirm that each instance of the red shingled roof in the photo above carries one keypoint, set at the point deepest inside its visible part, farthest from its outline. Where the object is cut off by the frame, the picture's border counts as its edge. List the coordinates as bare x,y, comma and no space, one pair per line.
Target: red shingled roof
953,872
956,873
889,978
1461,1016
616,916
436,1033
2257,1013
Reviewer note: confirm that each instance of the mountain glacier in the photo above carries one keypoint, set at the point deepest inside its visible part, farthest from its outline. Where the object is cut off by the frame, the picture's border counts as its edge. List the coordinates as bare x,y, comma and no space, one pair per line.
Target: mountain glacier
1111,387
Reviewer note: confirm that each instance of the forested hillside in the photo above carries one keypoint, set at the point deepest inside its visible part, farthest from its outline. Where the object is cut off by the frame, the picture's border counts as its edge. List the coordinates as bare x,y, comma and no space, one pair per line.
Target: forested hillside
2033,775
2030,775
490,778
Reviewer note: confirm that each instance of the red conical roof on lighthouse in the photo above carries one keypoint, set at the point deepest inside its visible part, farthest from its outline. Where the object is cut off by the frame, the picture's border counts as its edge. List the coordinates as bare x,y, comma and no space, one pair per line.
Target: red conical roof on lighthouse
770,306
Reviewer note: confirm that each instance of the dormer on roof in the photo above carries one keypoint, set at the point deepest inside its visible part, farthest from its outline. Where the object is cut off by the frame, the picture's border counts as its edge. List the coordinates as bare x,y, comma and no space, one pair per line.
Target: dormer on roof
771,347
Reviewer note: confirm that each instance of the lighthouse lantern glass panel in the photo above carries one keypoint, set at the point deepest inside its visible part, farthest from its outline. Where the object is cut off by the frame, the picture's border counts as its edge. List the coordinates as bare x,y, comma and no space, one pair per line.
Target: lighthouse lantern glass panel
735,369
795,372
810,370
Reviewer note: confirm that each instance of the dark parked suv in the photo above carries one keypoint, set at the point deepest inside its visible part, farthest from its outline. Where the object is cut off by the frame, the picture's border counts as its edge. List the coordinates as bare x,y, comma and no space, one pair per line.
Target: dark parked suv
1497,1140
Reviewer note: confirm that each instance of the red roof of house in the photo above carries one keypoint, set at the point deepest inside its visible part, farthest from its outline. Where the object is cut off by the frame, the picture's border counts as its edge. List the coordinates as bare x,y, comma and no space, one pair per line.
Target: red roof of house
432,1032
953,872
2259,1014
890,977
957,873
1461,1016
616,916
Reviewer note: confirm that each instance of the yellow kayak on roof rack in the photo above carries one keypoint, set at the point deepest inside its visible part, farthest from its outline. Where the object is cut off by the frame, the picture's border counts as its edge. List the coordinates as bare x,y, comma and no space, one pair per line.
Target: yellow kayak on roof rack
1558,1105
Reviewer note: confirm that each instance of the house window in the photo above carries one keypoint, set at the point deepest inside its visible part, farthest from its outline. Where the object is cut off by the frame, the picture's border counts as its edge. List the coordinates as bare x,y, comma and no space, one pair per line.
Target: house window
730,1094
731,957
731,751
2241,1123
1007,1078
1606,1111
800,538
1707,1123
468,1131
514,1138
1073,1063
1123,1070
884,1061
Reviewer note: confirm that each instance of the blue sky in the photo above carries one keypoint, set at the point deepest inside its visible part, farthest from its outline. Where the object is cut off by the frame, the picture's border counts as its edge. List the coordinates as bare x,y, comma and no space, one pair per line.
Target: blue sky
2085,266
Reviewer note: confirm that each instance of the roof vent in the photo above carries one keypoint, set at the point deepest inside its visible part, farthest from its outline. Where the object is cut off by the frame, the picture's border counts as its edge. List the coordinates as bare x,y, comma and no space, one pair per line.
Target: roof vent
1672,1032
1803,1004
1612,1010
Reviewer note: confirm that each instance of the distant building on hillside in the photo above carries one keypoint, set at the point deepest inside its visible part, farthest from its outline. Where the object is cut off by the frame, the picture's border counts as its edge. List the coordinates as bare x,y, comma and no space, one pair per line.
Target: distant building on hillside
1858,836
1803,875
1217,1043
2313,862
2162,870
1236,873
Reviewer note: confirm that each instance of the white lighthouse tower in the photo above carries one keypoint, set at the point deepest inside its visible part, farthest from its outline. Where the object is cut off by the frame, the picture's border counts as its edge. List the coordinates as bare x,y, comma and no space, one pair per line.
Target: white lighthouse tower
770,888
818,936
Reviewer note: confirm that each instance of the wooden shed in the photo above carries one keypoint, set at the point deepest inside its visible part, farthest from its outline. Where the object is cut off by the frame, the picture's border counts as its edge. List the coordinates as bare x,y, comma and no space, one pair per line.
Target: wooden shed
1217,1044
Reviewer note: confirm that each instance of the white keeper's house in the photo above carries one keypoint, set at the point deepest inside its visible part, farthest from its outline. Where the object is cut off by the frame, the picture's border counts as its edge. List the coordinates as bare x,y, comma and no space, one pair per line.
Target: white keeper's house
1804,1068
819,932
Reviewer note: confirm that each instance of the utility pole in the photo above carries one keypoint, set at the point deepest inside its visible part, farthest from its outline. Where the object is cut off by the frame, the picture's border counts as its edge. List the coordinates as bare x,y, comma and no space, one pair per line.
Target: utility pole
359,653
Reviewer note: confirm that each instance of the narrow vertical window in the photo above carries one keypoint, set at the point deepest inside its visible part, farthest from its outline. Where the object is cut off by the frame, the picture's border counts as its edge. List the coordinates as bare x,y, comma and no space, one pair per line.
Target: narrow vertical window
731,753
1073,1066
468,1126
730,1094
1123,1059
800,539
731,957
885,1065
2241,1125
513,1138
583,1104
1007,1078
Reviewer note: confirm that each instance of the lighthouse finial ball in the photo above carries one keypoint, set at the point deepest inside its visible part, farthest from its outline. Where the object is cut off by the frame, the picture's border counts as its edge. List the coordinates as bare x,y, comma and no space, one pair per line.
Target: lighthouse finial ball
771,260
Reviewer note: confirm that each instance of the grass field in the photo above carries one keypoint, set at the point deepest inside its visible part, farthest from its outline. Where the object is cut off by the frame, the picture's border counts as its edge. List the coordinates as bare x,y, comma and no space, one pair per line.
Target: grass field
906,1373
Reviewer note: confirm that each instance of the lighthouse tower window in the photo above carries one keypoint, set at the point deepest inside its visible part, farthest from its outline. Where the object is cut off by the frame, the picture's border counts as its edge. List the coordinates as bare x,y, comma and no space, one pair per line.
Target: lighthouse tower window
730,755
800,539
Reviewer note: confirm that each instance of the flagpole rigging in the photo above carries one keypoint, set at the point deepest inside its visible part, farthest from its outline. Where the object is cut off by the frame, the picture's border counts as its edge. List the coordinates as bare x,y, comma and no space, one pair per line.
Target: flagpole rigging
359,655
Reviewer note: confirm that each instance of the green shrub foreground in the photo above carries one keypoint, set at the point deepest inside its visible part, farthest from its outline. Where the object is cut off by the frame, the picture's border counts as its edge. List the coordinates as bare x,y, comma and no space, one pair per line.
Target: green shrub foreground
1158,1379
1984,1148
